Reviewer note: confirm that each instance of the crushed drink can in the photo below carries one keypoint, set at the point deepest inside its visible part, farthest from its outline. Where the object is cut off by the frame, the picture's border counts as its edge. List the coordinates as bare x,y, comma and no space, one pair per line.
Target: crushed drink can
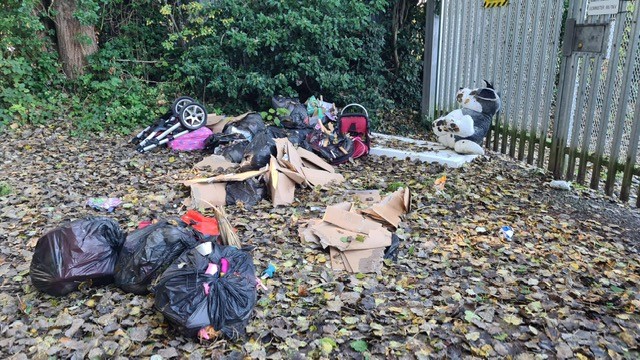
507,232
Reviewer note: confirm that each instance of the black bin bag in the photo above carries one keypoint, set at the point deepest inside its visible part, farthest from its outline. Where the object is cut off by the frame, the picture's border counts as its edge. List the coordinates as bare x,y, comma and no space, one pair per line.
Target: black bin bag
80,251
148,251
196,297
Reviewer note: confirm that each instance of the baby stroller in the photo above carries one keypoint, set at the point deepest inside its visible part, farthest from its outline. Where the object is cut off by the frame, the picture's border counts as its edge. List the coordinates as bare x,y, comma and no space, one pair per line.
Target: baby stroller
186,115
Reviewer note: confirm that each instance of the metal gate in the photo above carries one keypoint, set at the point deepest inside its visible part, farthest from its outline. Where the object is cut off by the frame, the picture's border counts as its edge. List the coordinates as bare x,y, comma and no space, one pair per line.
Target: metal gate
568,104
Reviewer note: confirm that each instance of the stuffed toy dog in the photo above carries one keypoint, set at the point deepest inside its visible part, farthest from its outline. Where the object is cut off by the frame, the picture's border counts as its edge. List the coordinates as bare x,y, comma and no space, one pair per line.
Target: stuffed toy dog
463,130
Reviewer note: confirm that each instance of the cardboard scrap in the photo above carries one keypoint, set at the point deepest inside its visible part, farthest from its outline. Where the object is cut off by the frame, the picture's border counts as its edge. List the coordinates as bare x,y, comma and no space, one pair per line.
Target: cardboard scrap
215,162
228,177
281,187
217,122
209,192
293,166
391,207
356,244
204,196
289,167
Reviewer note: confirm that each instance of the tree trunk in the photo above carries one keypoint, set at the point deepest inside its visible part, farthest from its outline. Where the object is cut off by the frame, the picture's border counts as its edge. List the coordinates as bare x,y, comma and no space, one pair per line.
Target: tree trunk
75,41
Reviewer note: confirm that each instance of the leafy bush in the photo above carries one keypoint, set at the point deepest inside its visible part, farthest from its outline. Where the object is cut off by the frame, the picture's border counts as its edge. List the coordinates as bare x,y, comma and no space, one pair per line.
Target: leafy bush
231,55
242,53
30,78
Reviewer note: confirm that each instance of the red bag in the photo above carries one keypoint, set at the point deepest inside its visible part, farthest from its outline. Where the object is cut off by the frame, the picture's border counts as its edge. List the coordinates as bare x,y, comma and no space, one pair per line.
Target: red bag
356,125
205,225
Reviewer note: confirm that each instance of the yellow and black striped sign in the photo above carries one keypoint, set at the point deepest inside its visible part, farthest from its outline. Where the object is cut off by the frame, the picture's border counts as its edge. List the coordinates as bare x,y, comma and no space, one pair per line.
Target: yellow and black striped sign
495,3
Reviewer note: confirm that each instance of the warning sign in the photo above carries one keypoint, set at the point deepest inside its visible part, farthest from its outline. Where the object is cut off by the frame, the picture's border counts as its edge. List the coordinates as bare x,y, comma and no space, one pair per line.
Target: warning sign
495,3
603,7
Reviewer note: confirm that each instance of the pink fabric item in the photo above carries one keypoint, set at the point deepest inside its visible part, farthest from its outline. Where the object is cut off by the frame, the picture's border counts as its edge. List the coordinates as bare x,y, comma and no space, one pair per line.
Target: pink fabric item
192,141
224,266
207,288
359,148
211,269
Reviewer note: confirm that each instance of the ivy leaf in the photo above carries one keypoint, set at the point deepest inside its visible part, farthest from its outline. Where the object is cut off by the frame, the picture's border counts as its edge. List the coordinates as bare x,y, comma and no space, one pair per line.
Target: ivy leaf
469,316
359,346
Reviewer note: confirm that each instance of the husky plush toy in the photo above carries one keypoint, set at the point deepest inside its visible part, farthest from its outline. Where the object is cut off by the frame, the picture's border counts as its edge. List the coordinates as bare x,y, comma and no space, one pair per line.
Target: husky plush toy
463,130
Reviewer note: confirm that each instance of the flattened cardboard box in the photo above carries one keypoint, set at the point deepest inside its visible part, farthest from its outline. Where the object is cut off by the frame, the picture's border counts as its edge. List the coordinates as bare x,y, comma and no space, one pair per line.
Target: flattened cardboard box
391,207
217,122
209,192
356,244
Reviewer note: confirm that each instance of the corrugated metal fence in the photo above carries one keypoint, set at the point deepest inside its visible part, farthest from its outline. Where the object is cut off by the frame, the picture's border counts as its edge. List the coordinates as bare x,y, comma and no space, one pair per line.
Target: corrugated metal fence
569,84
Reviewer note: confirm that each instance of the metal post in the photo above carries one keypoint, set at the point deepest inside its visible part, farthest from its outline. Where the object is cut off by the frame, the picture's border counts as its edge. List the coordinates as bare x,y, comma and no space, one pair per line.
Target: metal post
427,106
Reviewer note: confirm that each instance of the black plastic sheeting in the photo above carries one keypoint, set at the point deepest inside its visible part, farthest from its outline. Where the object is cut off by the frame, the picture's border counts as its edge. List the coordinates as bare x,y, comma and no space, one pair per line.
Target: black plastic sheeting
298,117
258,153
391,251
148,251
330,147
248,127
80,251
249,192
180,292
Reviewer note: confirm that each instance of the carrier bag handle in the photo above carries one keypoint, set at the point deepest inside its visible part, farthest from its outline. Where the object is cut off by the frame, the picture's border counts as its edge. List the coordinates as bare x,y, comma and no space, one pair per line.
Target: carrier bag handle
357,105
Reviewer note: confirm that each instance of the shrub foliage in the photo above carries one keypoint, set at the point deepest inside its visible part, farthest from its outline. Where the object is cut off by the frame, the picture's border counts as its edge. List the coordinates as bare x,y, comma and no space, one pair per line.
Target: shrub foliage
232,55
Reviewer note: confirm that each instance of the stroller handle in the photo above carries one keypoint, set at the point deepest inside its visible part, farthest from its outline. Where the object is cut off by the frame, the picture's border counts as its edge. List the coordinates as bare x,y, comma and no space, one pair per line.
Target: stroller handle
356,105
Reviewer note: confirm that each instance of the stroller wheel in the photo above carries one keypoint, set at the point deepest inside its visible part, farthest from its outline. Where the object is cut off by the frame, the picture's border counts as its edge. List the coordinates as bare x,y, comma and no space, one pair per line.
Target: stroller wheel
180,103
193,116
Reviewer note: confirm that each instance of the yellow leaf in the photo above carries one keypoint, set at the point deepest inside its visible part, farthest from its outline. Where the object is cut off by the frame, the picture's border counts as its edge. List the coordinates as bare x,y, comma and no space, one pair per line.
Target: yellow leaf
512,319
439,183
473,336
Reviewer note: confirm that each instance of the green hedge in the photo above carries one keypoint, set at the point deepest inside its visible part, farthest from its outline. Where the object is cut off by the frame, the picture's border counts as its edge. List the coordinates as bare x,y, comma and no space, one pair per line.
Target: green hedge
232,55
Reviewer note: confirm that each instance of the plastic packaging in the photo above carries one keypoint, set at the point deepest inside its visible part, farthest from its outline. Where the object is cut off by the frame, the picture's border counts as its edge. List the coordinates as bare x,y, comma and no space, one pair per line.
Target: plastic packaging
297,117
148,251
248,127
250,192
197,300
507,232
80,251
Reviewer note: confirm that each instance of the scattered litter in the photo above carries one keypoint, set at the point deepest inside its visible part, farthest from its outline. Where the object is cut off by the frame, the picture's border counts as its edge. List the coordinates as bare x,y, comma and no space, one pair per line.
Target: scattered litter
560,185
388,211
268,272
201,298
507,232
185,116
104,203
357,243
191,141
80,252
481,230
207,226
357,126
146,252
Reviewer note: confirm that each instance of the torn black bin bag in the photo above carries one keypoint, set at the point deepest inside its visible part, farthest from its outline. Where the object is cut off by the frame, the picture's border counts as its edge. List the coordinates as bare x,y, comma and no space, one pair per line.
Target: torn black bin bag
148,251
258,153
391,251
233,151
80,251
298,137
298,117
219,139
249,192
194,294
248,127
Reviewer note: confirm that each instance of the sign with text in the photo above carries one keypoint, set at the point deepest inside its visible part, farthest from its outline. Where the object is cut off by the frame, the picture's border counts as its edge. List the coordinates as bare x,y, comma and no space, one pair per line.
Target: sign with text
603,7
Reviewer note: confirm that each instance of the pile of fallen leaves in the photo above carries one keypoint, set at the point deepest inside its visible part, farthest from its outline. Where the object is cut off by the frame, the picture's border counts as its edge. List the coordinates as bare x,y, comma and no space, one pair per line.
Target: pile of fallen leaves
565,286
